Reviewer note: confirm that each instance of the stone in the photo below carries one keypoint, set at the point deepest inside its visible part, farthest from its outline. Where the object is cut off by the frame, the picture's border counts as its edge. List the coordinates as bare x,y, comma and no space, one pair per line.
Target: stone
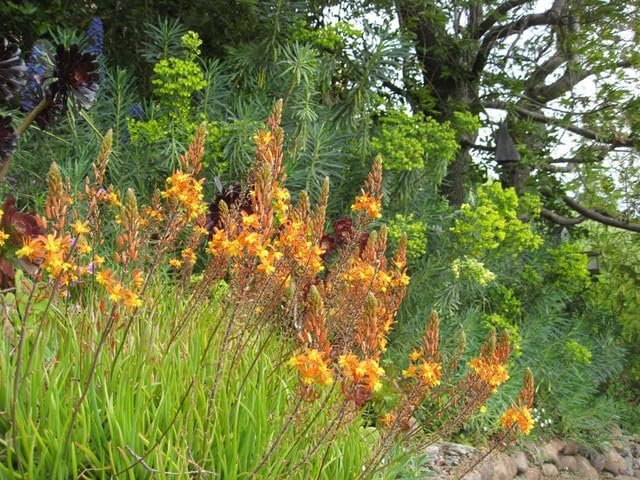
486,470
458,449
504,468
432,451
549,470
520,459
551,450
597,460
533,473
570,448
614,463
584,469
566,463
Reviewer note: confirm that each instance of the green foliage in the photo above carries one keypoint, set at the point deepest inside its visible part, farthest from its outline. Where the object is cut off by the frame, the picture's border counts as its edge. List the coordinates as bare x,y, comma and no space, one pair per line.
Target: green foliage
169,416
473,270
577,352
566,267
495,222
408,142
330,38
416,235
176,81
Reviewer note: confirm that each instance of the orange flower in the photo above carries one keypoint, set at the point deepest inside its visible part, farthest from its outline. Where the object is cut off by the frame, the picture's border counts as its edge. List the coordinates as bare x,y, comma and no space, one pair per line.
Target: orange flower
517,417
491,373
80,228
368,204
366,373
312,367
185,191
428,373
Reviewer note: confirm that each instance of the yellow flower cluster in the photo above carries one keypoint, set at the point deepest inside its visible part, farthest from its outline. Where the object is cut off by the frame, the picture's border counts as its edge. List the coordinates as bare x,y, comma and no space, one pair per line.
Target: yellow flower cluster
186,191
51,252
312,367
427,372
518,417
375,279
116,292
493,374
294,239
366,373
368,204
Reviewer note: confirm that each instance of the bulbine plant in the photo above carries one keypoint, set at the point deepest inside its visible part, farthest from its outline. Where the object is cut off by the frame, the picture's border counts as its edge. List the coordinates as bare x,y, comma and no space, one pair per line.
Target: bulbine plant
228,340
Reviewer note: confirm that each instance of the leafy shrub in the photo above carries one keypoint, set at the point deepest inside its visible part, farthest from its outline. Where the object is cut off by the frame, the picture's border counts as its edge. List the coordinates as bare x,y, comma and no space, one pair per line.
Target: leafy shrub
117,297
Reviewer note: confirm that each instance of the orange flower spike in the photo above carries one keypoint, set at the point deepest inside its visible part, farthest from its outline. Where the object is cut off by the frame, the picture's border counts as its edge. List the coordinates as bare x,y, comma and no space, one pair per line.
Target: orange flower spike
104,277
493,374
315,325
517,419
58,198
312,367
431,337
525,397
191,160
33,249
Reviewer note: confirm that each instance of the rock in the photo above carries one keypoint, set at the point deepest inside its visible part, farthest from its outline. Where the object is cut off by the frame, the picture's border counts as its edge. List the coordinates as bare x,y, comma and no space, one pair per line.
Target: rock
549,470
614,463
551,450
473,475
504,468
458,449
432,451
566,463
597,460
570,448
533,473
625,477
486,470
520,459
584,469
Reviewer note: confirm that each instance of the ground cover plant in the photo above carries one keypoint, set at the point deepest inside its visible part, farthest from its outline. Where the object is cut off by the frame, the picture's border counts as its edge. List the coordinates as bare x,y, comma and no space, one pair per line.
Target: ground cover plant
177,338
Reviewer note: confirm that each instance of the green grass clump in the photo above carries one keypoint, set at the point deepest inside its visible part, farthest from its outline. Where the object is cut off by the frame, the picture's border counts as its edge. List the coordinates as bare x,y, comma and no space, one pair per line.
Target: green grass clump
166,406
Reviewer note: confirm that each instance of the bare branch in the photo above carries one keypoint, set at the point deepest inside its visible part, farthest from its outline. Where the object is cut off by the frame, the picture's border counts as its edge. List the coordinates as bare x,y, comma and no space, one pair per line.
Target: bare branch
493,17
617,140
569,79
550,17
592,214
560,219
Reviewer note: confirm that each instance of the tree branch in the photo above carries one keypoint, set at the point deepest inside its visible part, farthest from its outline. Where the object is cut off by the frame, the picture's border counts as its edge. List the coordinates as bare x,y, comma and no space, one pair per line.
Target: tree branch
592,214
560,219
550,17
493,17
566,82
617,140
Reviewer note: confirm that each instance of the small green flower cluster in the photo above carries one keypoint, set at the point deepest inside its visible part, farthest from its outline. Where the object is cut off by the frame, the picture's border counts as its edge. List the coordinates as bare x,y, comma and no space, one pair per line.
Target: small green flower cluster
494,222
175,82
469,268
566,266
416,235
407,142
331,38
578,352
